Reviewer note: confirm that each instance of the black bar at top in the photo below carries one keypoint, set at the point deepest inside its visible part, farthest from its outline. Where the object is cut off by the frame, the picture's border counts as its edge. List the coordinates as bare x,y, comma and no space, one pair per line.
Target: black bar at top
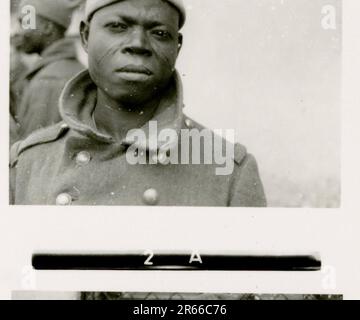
176,262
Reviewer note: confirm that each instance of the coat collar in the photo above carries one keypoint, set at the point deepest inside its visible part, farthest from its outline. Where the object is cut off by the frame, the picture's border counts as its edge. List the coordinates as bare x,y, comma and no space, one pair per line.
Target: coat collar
59,50
78,102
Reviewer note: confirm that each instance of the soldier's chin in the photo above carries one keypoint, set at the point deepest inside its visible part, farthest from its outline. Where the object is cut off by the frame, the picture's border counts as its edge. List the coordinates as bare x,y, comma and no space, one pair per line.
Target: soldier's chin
135,99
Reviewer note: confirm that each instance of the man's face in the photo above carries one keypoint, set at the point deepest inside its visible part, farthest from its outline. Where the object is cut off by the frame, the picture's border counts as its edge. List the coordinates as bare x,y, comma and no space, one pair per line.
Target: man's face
30,40
132,47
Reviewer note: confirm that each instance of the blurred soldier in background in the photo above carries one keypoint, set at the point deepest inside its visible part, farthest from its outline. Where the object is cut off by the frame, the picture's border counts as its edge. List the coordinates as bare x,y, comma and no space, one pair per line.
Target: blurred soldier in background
18,69
58,62
17,73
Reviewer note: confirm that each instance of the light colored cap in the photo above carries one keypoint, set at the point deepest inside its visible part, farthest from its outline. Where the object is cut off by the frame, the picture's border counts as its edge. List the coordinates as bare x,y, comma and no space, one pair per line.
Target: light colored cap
94,5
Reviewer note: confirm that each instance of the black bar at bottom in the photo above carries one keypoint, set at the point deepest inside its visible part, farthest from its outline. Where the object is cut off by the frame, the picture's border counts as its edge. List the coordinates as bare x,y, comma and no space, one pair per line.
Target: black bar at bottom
176,262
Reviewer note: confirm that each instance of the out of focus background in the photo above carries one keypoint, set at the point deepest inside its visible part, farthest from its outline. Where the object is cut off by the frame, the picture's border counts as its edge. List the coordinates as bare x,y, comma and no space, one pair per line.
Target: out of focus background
271,71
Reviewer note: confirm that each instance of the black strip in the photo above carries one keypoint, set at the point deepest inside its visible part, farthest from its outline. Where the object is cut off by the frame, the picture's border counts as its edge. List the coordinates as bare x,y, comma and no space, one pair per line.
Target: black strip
177,262
183,309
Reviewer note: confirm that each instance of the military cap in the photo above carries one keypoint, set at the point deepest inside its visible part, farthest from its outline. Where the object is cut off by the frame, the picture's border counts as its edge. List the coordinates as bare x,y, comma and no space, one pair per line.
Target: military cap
58,11
94,5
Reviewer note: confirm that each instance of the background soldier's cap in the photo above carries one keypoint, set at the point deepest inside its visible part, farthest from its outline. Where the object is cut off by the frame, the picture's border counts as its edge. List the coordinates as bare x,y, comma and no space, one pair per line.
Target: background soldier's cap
58,11
94,5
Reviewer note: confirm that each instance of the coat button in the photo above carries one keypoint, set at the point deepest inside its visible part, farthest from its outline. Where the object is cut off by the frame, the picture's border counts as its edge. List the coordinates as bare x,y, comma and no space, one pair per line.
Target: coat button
155,158
64,126
151,197
162,157
63,199
188,123
83,158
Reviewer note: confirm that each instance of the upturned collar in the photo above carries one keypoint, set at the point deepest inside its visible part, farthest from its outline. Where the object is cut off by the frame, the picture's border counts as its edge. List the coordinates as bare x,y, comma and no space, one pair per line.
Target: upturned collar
78,102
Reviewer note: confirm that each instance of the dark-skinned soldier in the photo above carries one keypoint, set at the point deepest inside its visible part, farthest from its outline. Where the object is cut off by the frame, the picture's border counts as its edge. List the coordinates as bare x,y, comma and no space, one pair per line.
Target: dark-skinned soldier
131,83
58,63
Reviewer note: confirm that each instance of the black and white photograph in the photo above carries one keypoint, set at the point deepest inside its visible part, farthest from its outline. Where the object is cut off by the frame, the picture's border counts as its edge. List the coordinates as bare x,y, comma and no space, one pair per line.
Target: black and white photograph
114,296
187,150
175,103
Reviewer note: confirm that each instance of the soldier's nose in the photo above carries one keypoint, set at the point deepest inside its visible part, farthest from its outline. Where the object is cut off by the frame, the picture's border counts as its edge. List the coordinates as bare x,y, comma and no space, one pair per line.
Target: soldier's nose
138,51
138,44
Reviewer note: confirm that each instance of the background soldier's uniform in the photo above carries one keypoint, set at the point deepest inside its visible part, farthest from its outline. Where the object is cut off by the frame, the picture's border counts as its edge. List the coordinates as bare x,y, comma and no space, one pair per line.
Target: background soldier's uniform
45,82
73,163
18,70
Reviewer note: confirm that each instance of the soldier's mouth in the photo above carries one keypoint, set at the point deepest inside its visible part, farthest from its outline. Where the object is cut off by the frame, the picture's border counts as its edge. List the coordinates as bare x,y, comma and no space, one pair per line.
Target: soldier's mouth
135,69
134,73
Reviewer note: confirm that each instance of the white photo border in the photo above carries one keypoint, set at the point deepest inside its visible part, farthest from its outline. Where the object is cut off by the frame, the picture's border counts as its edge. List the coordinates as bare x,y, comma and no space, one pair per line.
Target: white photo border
334,233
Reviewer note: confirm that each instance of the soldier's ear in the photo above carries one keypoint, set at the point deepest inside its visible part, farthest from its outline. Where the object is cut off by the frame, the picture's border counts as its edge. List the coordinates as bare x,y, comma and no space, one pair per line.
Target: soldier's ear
84,34
180,42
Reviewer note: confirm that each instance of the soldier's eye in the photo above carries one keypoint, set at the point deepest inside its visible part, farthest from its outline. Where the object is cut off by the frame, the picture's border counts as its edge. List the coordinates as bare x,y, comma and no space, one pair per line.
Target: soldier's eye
117,26
161,34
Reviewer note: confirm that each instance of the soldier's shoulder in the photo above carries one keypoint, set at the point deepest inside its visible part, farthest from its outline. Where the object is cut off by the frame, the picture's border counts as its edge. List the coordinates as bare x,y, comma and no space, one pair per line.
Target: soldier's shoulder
63,68
240,151
39,137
